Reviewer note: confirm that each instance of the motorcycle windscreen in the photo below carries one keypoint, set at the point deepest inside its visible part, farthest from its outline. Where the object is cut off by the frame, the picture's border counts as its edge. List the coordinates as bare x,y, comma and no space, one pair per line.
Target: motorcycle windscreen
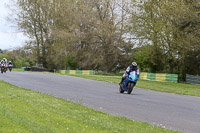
133,75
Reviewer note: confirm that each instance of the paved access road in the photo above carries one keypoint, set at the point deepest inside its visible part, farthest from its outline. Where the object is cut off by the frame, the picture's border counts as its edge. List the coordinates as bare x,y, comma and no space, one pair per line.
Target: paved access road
172,111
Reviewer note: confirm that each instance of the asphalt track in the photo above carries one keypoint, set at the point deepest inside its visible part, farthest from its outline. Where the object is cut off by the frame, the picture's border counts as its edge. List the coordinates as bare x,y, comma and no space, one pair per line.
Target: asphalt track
176,112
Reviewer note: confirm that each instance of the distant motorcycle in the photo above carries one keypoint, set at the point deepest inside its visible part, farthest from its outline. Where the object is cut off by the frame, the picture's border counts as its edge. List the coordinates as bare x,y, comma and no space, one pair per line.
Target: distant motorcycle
3,68
129,83
10,67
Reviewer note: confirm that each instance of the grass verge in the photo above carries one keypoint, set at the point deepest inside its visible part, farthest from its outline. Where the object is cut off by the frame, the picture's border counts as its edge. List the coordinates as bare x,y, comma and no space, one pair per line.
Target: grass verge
177,88
17,69
27,111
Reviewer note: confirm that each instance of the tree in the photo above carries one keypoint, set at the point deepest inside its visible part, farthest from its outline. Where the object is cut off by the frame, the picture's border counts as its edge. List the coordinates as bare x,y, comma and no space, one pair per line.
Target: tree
102,35
92,31
171,27
1,51
147,27
33,18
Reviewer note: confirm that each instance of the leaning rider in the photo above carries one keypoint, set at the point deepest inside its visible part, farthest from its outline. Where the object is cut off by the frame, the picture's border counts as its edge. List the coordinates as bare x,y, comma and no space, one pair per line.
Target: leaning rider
132,67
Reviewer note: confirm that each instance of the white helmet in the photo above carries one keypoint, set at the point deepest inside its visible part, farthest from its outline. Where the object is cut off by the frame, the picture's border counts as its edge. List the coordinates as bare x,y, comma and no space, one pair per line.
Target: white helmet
134,64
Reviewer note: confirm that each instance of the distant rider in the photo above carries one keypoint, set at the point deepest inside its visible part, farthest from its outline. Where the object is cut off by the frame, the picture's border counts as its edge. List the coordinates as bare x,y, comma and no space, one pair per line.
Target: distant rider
10,65
132,67
4,61
3,65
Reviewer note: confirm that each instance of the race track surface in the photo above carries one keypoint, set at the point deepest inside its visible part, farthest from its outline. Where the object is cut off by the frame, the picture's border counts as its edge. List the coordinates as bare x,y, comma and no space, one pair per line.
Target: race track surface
176,112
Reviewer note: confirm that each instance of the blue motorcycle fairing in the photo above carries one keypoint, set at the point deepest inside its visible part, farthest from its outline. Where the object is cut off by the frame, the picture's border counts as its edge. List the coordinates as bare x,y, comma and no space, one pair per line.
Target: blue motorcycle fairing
131,78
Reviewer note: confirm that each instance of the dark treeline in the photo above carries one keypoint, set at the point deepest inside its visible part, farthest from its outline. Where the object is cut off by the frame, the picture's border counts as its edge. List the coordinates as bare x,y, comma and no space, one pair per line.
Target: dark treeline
161,36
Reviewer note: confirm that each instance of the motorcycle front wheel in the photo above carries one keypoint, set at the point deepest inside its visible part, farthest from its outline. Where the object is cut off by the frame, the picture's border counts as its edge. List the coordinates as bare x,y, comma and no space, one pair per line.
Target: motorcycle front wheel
130,87
2,70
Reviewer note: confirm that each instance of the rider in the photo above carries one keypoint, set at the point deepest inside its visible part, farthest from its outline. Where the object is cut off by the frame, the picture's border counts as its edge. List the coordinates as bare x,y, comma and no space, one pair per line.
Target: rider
10,63
132,67
5,61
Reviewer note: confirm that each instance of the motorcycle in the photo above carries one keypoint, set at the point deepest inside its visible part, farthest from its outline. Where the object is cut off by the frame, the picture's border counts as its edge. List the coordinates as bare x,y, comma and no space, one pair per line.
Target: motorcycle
3,68
129,83
10,67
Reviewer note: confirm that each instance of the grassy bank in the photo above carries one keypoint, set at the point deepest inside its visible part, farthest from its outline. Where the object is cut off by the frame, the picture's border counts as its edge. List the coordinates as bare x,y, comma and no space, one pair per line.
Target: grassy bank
26,111
177,88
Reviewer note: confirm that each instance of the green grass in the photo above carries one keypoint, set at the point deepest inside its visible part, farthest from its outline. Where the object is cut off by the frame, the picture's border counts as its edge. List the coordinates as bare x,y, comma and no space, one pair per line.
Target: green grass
169,87
17,69
177,88
27,111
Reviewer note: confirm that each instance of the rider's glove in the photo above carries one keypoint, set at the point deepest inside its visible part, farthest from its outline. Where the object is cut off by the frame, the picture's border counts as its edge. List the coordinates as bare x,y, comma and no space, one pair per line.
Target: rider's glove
126,74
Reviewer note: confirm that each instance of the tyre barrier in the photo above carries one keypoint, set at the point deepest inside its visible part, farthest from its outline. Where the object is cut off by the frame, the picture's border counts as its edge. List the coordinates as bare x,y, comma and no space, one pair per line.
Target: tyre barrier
36,69
192,79
82,72
163,77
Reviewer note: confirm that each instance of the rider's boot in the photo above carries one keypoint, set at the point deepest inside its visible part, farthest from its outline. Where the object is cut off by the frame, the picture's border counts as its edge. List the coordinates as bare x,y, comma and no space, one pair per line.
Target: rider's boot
121,81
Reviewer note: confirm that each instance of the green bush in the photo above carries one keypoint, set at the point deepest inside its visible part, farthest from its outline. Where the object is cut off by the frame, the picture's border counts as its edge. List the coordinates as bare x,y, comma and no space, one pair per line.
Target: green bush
71,62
